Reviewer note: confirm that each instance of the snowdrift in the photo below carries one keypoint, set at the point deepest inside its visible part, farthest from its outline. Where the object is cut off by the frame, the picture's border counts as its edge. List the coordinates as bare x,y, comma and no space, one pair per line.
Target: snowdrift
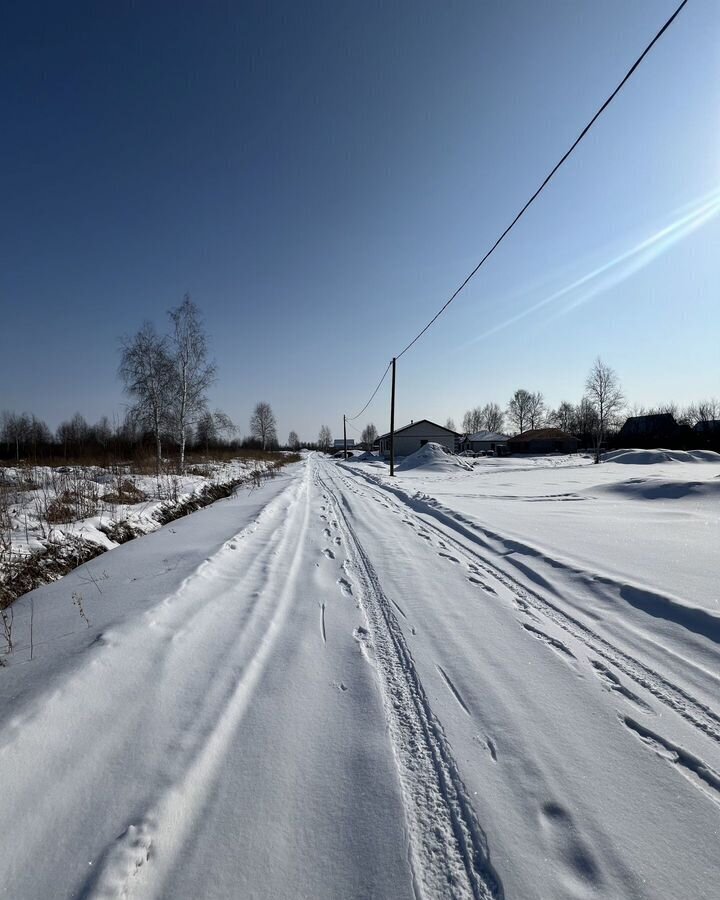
651,457
433,456
664,489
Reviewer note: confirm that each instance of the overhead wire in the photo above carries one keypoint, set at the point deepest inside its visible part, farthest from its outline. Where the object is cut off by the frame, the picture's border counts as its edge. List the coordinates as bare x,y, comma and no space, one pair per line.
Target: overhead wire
529,203
372,396
552,172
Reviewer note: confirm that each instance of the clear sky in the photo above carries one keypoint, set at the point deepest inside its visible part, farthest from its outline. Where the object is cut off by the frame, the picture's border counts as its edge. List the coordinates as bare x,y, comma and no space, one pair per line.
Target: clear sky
321,175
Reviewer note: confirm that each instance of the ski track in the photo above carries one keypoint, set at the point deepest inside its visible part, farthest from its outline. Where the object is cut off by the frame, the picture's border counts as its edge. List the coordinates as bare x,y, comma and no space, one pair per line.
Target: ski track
137,862
451,534
449,852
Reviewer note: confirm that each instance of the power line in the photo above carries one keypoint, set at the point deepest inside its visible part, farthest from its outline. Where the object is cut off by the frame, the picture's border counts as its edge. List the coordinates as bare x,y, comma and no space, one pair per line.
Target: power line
532,199
577,140
372,396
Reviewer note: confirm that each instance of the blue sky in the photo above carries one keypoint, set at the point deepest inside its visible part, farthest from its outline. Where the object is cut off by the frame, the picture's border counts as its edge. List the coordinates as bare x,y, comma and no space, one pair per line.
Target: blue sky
321,176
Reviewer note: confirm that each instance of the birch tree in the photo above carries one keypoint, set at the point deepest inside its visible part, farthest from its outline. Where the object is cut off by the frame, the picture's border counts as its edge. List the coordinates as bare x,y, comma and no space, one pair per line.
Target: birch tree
263,425
147,371
324,438
369,435
194,373
603,390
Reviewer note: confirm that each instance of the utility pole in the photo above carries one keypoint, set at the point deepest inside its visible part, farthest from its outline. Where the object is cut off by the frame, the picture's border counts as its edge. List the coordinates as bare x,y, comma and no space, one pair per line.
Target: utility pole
392,422
344,439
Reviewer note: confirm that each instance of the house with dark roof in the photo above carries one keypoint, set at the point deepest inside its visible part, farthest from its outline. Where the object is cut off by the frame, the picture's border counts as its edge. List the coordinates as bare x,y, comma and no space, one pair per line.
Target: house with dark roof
543,440
412,437
707,426
653,427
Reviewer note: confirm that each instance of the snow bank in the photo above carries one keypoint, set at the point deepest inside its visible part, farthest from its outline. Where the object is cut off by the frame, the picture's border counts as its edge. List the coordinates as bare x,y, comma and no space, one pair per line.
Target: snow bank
433,456
666,489
651,457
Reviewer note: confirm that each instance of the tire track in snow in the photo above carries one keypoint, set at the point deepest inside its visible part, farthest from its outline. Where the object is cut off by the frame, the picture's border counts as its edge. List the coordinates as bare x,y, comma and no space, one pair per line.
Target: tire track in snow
695,770
137,863
448,847
699,714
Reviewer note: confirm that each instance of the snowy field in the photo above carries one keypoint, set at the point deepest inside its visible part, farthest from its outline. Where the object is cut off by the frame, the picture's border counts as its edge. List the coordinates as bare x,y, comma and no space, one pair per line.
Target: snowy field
496,680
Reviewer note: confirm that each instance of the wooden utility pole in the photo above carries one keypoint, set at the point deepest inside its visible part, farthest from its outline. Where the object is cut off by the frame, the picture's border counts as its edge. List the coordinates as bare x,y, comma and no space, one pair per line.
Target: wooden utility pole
392,422
344,439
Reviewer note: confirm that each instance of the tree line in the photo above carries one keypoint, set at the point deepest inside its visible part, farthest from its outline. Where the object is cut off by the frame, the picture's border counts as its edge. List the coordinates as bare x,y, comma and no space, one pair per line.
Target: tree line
598,415
166,377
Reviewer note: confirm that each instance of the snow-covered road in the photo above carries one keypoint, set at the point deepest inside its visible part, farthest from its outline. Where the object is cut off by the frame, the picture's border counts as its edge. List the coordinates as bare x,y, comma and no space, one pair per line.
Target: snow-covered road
334,687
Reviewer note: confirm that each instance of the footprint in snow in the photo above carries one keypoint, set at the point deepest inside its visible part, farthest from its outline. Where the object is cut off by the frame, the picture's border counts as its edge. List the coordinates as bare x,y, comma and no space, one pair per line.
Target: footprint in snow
563,835
448,556
328,553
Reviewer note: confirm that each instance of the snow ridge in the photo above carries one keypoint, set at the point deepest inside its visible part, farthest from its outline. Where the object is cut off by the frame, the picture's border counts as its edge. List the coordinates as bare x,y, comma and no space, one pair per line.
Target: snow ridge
449,851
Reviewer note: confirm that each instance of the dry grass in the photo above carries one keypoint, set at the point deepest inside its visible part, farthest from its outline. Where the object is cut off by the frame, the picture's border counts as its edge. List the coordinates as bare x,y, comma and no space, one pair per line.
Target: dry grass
125,492
66,495
25,573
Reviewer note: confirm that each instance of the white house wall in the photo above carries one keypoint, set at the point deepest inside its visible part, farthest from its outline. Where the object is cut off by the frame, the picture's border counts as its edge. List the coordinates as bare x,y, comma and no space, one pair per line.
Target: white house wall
411,439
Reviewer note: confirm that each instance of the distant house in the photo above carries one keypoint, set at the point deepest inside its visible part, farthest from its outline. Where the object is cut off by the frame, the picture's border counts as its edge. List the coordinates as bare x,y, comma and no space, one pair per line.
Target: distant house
489,441
339,443
415,435
709,426
543,440
656,426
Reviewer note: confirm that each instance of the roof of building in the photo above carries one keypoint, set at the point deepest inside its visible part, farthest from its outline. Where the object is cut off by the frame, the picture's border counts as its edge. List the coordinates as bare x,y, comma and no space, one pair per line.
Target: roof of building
419,422
649,422
494,436
707,425
542,434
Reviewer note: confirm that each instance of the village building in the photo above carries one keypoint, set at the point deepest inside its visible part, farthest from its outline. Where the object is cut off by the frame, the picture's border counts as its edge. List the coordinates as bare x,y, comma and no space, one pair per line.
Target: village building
485,441
656,427
543,440
415,435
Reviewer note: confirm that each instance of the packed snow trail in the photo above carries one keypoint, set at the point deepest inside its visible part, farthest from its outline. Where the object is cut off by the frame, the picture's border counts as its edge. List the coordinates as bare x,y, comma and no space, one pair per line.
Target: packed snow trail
330,689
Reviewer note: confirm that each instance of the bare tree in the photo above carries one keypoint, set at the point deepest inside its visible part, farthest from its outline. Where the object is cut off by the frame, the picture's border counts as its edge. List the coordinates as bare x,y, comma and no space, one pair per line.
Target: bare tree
15,430
563,417
493,418
702,414
263,425
536,410
473,421
519,409
324,438
293,441
604,393
212,428
450,423
369,435
193,372
147,371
